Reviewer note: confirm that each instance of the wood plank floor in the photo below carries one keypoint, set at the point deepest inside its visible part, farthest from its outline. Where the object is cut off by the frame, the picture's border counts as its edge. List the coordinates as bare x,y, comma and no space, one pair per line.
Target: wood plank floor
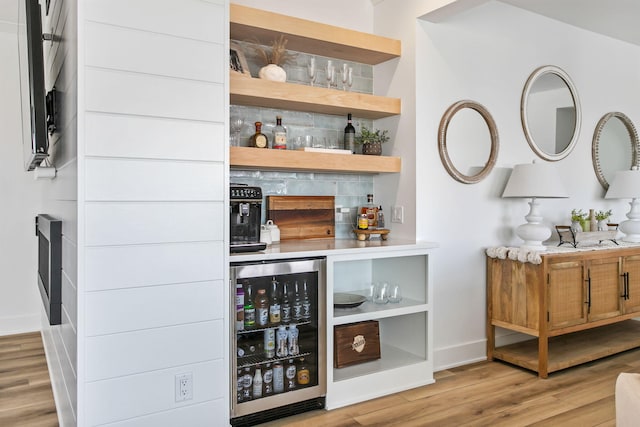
26,398
492,394
482,394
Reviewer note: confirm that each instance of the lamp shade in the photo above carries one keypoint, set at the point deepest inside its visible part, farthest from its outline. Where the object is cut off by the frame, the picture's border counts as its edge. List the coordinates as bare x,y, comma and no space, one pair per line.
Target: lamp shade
534,180
625,185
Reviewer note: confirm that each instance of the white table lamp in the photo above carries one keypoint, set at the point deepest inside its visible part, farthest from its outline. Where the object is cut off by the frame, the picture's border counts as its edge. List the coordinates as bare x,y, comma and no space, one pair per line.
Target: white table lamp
626,185
534,181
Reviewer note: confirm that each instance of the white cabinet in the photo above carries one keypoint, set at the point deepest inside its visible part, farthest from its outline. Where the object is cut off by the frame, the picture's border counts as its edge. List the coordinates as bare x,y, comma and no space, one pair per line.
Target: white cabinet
406,337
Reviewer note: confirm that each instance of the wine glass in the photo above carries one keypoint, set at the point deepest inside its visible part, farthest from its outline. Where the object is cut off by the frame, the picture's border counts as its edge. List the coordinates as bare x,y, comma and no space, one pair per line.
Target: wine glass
235,125
344,75
311,69
350,77
330,73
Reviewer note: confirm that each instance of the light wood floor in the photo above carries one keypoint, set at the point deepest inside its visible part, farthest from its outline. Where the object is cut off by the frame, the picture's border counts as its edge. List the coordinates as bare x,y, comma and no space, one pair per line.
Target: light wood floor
26,398
492,394
482,394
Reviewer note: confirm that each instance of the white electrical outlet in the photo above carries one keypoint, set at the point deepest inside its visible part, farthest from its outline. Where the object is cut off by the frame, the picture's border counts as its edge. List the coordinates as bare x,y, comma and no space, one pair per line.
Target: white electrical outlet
184,387
397,214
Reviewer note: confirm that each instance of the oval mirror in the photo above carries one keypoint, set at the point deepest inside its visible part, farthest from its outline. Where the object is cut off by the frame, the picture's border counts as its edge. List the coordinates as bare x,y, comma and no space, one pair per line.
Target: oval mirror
614,147
468,141
550,113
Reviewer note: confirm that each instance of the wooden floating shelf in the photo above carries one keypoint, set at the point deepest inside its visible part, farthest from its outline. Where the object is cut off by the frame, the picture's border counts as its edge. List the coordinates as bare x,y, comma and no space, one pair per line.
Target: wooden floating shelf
296,97
294,160
311,37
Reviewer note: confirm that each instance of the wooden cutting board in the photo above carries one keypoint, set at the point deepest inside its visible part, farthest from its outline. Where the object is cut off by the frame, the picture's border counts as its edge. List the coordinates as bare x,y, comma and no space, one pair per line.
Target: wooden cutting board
303,217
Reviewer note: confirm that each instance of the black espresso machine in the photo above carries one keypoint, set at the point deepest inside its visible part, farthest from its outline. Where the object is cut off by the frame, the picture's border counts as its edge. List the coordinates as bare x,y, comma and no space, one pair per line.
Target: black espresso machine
245,210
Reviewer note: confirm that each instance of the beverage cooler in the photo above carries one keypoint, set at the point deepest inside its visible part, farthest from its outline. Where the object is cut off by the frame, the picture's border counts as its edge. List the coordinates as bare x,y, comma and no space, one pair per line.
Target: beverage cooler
278,339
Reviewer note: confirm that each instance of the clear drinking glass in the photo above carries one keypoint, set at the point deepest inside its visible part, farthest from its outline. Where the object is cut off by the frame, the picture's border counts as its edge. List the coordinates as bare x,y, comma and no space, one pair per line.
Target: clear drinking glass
345,75
381,293
235,125
395,296
330,73
311,70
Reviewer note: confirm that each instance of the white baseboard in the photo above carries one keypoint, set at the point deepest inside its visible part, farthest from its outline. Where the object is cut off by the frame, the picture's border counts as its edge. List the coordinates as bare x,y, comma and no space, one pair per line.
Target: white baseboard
458,355
12,325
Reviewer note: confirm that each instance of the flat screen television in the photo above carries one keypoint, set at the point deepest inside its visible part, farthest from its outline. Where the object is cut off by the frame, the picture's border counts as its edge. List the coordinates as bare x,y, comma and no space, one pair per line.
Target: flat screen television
32,85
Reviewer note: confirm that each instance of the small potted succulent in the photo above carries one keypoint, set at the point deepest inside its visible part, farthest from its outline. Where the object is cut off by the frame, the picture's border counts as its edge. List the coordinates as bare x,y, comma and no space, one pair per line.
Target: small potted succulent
372,140
603,219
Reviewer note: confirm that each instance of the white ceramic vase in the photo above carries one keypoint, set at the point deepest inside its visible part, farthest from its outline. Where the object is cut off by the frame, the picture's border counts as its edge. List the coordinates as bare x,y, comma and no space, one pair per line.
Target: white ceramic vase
602,225
273,72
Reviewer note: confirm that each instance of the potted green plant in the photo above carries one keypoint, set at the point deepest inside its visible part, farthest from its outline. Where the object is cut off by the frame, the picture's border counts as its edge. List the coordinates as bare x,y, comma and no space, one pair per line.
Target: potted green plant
603,219
578,217
372,140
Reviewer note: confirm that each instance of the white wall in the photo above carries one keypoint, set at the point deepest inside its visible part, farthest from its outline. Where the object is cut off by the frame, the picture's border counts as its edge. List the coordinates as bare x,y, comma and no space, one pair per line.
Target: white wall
486,54
20,306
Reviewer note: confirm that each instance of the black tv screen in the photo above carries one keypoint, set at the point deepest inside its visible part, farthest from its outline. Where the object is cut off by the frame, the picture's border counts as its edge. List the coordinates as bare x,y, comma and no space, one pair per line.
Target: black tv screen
32,85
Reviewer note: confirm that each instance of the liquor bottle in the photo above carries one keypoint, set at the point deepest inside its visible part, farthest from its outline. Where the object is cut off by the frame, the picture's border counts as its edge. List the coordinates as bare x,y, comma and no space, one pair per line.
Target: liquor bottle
350,136
297,304
380,217
274,304
249,308
262,308
257,384
306,303
258,139
267,380
247,384
304,376
279,135
371,211
285,307
290,376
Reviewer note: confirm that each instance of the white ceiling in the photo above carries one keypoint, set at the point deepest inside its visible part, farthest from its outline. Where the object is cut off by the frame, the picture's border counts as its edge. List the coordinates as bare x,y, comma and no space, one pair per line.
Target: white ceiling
613,18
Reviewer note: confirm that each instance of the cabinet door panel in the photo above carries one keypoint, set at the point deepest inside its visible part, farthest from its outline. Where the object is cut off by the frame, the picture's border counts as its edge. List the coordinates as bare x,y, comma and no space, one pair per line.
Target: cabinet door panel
606,288
567,295
631,265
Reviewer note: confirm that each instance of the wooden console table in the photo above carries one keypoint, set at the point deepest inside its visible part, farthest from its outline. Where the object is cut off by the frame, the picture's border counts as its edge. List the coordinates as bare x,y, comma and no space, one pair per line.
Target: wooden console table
577,305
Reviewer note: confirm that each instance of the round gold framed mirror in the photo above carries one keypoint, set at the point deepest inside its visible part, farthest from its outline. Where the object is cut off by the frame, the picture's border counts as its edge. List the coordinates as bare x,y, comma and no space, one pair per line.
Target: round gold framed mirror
614,147
550,113
468,141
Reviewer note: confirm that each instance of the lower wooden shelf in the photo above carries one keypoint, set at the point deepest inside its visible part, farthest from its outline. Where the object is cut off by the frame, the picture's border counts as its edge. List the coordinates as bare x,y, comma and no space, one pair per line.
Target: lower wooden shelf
575,348
265,159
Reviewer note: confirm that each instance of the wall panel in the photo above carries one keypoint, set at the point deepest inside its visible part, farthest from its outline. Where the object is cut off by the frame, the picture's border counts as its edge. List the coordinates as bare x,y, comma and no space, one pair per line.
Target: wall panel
110,312
162,264
147,350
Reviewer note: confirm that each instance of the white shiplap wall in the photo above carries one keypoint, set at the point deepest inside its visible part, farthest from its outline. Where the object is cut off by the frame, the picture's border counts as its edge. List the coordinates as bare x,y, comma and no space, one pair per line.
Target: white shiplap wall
152,172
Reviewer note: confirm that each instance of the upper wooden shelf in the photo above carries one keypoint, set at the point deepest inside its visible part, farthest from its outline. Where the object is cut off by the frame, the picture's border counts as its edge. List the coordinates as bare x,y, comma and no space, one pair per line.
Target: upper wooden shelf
288,96
311,37
265,159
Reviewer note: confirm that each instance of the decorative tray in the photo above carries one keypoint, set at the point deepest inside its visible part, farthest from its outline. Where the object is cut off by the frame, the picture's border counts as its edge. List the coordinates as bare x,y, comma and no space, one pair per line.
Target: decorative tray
567,235
344,300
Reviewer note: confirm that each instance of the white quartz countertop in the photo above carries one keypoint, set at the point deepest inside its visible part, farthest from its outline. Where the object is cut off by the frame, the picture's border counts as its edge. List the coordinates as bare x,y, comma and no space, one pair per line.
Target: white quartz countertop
327,247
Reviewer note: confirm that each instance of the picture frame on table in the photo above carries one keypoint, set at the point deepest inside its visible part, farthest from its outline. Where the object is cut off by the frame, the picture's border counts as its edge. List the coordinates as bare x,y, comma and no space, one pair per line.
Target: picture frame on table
237,60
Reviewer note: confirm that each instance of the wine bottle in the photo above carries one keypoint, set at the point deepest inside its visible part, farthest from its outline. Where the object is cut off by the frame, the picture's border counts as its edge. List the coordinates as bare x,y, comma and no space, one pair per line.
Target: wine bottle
258,139
279,135
350,136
